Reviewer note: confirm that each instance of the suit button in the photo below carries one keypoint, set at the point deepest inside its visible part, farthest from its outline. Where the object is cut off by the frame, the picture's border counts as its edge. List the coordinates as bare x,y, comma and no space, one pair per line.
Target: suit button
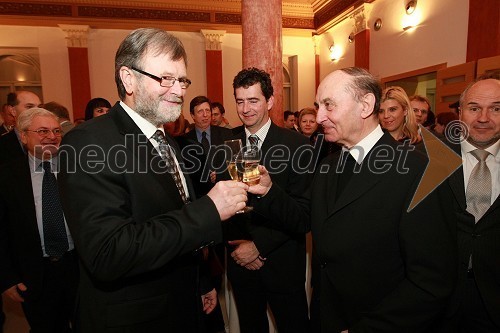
323,265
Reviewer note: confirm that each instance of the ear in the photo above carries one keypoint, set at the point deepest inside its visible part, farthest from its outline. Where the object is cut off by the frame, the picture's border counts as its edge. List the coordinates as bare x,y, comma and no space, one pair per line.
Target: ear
128,79
406,112
368,103
270,103
24,137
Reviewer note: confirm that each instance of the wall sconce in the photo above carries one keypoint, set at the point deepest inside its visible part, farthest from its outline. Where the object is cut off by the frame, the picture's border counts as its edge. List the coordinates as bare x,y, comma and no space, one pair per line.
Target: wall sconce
335,52
410,7
412,18
350,38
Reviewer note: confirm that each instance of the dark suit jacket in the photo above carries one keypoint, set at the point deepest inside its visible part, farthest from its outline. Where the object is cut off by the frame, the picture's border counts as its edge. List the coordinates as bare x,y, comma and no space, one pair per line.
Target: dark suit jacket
284,271
382,269
134,235
21,256
197,157
10,148
482,240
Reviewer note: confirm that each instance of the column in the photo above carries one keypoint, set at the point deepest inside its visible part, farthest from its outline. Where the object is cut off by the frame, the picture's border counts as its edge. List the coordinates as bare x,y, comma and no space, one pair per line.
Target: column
213,54
262,45
361,39
76,37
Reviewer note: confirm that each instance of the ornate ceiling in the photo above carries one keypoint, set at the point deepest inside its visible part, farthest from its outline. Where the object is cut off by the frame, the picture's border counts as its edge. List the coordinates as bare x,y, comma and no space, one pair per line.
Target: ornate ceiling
181,15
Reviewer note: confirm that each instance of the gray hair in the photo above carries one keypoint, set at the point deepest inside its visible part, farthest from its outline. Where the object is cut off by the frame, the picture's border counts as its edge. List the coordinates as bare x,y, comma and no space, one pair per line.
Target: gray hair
141,41
364,83
25,118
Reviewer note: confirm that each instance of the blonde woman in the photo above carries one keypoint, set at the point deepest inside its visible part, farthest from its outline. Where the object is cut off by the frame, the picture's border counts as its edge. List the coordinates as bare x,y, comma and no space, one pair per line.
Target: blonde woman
397,117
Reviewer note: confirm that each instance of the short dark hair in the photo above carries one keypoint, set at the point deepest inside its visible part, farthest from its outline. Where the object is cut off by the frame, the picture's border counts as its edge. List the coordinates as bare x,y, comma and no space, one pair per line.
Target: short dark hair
250,76
287,114
12,99
218,106
197,101
138,43
363,82
97,102
59,110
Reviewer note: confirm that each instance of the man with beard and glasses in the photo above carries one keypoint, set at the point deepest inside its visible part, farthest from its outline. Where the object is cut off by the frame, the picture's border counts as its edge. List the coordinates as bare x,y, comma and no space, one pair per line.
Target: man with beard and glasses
130,207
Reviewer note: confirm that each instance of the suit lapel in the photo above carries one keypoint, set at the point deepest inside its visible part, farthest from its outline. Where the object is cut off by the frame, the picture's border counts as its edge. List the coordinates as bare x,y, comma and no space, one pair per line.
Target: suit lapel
145,155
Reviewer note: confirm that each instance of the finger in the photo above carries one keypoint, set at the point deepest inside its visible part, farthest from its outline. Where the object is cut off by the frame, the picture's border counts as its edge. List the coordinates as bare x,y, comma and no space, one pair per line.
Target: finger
236,242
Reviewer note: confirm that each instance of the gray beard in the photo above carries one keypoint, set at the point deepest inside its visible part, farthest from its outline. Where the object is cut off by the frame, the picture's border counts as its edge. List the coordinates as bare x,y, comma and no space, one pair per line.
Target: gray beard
149,110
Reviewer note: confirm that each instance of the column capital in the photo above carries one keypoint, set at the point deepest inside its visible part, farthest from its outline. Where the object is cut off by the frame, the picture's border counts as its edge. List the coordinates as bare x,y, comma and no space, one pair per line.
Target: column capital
360,17
76,35
213,38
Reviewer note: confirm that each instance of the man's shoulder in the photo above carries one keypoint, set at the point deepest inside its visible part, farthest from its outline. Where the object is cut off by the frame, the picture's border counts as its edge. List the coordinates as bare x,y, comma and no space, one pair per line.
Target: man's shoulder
287,136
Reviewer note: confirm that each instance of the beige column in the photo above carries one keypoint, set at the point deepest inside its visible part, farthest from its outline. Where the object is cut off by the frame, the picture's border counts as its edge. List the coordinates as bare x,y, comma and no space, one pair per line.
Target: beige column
76,37
262,45
361,37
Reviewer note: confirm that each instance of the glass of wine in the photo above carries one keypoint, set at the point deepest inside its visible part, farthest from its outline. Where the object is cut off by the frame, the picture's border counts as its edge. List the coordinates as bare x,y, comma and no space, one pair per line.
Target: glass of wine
233,149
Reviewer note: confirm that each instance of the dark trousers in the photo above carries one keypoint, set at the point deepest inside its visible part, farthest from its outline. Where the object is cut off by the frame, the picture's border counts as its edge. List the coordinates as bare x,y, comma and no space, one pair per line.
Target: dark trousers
472,316
252,298
52,309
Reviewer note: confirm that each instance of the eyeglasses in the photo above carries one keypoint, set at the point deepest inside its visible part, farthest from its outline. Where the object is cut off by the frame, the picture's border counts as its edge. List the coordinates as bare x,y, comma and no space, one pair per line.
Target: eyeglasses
43,132
166,81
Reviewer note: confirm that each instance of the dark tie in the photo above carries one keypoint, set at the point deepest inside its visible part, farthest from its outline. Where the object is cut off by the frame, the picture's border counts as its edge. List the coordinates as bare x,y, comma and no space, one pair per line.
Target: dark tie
204,142
254,140
166,155
347,164
54,230
478,193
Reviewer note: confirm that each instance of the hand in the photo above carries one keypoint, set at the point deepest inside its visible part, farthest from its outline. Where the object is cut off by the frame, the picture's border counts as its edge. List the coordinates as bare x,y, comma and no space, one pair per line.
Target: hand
245,252
346,331
213,177
209,301
229,197
255,265
264,184
13,294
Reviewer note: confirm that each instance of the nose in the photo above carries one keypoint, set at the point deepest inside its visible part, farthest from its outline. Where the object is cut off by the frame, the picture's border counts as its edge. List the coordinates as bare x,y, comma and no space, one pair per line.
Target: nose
321,115
176,89
483,116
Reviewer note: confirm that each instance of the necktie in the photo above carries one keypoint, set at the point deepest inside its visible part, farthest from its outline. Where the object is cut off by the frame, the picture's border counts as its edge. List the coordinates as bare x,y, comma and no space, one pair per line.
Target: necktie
204,142
346,171
54,230
254,140
478,193
166,155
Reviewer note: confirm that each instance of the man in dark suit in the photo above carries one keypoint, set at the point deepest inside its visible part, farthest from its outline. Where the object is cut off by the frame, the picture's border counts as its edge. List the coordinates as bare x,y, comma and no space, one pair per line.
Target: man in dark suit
35,270
8,120
10,143
382,269
207,136
267,266
476,302
131,211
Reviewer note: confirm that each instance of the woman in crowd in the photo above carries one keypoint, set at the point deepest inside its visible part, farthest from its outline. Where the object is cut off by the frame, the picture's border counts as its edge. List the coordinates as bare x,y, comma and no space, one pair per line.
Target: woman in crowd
307,121
96,107
396,115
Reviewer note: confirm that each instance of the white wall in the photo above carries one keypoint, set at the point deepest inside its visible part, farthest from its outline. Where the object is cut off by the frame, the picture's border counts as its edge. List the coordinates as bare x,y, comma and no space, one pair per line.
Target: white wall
440,37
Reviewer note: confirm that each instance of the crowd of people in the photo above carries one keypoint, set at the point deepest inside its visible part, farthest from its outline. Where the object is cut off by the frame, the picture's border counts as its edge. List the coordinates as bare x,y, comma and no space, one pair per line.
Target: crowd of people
127,223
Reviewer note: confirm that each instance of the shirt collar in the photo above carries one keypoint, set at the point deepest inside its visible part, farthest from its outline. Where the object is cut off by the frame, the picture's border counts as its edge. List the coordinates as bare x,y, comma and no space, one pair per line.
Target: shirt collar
261,133
467,147
145,126
199,131
35,163
360,150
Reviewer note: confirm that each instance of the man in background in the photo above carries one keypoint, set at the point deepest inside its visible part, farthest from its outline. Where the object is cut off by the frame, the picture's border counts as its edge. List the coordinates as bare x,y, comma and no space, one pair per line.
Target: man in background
39,268
218,113
475,204
289,120
10,143
9,121
266,266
